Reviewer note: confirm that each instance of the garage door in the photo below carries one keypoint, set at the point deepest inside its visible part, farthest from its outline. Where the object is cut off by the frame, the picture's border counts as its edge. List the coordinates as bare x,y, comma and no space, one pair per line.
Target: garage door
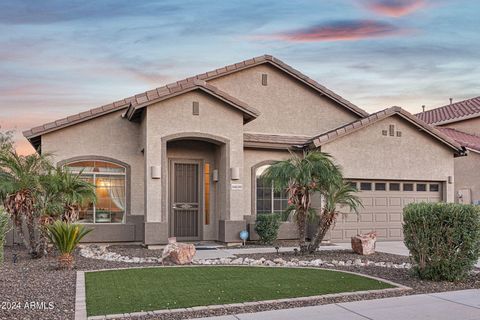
383,203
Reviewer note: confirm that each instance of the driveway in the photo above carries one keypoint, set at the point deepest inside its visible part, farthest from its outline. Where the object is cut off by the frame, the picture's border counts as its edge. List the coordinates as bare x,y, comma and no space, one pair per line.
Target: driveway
463,304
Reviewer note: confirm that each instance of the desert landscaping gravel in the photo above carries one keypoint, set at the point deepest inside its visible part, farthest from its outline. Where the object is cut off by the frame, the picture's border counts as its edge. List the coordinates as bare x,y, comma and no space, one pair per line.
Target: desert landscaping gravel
39,281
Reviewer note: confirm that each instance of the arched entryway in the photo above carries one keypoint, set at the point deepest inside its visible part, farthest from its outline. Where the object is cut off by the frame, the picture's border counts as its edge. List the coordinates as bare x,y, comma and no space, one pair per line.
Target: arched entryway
196,194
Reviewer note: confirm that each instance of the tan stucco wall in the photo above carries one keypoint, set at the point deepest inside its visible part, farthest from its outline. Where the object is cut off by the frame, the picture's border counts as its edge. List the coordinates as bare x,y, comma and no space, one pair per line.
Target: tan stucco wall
467,174
367,154
106,136
287,106
471,126
174,116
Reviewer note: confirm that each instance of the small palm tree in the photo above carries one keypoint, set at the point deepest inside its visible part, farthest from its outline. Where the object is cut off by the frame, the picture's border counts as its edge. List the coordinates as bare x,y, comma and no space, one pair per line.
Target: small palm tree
65,237
336,195
75,192
19,182
301,176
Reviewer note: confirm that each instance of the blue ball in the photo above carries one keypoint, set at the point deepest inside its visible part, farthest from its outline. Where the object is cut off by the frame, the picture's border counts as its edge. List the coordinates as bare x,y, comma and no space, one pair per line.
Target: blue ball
244,235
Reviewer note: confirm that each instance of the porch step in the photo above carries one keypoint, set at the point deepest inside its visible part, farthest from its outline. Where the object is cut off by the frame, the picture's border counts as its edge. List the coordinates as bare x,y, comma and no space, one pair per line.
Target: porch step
207,246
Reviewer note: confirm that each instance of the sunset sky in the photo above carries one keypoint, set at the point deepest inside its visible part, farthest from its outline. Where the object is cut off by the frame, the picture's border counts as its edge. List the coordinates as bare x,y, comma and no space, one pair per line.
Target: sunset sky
59,58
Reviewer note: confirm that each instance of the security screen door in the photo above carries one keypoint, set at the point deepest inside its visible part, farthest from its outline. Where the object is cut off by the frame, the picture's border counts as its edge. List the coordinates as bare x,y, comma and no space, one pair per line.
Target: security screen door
185,199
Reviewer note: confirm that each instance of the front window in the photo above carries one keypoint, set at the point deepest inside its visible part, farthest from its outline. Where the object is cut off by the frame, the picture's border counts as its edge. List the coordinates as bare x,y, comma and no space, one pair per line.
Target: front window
268,200
109,180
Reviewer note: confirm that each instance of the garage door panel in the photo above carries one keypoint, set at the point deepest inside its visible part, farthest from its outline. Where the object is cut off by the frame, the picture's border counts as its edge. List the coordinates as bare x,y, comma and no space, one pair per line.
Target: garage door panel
367,202
381,217
382,211
381,233
395,233
381,202
366,217
395,202
395,216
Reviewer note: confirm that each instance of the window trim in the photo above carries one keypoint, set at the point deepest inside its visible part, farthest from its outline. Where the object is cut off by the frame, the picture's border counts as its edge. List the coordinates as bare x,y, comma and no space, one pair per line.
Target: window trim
253,183
127,174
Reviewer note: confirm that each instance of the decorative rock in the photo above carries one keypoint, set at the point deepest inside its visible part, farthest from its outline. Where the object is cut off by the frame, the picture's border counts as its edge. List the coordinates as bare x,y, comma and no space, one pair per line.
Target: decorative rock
364,244
279,261
341,263
179,253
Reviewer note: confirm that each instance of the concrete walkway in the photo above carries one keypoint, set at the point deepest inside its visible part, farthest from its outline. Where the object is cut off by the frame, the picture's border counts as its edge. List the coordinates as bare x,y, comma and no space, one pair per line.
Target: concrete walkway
393,247
463,305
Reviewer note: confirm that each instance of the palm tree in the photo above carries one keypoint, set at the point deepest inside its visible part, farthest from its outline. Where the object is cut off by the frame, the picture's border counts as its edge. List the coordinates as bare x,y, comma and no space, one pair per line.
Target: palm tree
75,192
19,182
301,176
336,195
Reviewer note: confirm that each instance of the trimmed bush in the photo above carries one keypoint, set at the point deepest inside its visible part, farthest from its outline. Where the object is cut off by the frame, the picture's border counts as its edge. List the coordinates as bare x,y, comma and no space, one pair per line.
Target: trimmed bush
267,226
443,239
4,228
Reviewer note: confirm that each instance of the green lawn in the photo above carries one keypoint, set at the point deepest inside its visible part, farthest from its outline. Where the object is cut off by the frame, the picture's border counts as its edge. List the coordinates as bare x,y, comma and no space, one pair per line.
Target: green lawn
122,291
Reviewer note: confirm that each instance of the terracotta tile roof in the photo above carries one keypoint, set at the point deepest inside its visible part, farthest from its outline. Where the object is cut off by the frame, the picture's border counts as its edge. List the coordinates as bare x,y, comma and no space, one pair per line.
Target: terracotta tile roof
263,140
169,89
457,111
467,140
351,127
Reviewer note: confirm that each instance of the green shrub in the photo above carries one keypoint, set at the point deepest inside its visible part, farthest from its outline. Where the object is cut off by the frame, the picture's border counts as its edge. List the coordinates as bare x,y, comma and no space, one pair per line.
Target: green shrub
267,226
4,228
443,239
65,237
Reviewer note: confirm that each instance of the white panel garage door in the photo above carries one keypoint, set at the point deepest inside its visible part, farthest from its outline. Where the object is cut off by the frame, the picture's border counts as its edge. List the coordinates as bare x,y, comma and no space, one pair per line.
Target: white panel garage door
383,203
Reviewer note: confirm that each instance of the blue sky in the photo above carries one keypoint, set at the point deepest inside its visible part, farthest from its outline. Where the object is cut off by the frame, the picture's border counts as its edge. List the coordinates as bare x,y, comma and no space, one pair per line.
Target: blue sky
61,57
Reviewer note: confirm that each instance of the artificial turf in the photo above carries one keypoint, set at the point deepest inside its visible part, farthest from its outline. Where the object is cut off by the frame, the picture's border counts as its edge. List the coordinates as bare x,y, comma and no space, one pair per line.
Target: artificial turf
133,290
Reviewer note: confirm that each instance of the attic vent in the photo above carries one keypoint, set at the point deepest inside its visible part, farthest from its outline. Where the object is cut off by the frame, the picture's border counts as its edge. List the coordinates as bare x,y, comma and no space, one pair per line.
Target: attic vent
399,133
264,79
384,132
196,108
391,130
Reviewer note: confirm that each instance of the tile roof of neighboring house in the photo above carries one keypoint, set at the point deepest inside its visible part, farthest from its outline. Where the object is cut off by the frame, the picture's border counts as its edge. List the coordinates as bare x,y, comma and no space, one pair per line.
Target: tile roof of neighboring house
152,95
351,127
467,140
263,140
454,112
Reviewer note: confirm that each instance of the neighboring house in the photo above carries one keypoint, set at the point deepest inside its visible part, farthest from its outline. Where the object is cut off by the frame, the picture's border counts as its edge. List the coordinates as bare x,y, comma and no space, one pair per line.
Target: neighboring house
461,122
184,159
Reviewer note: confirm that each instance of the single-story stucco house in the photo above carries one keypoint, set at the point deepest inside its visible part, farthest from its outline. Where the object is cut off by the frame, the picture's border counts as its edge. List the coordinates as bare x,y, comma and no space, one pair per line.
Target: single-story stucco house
461,122
183,160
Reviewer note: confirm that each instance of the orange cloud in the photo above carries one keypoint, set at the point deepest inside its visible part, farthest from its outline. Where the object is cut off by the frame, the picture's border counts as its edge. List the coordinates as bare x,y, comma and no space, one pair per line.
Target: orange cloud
338,31
395,8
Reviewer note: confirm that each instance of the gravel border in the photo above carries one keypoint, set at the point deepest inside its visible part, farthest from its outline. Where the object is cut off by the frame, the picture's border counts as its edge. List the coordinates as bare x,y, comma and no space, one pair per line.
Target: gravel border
40,280
80,294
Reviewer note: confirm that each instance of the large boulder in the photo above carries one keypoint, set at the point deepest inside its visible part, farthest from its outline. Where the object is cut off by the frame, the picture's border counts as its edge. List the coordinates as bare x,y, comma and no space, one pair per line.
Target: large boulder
178,253
364,244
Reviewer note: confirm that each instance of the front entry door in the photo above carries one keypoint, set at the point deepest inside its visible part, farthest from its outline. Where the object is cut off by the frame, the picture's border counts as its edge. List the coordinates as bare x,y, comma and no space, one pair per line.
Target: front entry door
185,200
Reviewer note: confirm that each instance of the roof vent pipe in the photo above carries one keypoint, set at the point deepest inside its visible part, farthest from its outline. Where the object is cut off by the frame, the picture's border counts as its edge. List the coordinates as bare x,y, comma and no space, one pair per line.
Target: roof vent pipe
451,99
423,108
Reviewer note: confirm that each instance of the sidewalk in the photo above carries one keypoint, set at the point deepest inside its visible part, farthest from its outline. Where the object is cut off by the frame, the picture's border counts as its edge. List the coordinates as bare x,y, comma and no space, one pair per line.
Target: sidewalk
463,305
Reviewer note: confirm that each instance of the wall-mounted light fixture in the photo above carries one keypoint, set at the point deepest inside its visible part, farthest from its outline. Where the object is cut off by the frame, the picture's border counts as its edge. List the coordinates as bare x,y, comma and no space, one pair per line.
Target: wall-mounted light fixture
156,172
235,173
215,175
450,179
